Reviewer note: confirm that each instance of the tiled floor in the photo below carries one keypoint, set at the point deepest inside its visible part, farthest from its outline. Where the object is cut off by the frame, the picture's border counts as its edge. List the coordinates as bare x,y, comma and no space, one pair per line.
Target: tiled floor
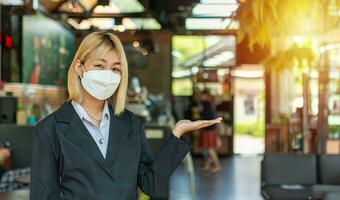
239,180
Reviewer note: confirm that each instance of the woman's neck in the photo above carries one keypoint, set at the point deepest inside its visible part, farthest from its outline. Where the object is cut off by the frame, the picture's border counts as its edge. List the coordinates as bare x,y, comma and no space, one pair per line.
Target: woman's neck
92,105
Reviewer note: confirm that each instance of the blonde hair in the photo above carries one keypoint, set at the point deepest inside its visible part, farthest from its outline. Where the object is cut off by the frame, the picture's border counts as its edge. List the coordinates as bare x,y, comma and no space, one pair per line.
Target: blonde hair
93,47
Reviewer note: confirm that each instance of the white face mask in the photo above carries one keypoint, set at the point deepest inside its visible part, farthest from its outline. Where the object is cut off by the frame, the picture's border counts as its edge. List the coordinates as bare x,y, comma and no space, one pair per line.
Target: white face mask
101,84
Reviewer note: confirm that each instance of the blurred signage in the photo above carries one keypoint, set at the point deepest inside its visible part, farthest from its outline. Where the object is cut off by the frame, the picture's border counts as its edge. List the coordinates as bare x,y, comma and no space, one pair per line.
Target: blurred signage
6,40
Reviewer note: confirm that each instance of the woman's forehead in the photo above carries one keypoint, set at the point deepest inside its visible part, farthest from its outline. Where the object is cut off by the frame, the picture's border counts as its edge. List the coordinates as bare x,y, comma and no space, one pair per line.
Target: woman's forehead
110,58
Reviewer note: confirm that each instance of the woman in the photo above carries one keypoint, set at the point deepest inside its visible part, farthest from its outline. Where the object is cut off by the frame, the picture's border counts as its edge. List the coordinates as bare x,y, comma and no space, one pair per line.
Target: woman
91,148
209,138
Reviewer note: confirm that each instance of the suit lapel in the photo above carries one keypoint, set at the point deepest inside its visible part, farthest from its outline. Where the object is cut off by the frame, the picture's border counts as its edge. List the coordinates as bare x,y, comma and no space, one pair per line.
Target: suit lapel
78,134
118,134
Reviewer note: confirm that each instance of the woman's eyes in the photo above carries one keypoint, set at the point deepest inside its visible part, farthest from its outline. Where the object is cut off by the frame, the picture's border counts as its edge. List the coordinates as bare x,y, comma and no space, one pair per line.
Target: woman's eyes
99,66
115,69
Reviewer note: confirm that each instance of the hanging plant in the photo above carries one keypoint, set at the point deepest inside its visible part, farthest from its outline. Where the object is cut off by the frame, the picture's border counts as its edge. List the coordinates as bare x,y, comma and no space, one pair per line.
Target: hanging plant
288,59
266,21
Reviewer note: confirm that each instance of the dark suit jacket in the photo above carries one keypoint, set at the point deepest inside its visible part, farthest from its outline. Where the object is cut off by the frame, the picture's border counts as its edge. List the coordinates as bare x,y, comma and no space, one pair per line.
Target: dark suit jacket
67,164
2,171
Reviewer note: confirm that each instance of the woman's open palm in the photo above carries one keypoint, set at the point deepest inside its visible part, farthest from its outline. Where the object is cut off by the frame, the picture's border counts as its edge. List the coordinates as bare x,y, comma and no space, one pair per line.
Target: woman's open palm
184,126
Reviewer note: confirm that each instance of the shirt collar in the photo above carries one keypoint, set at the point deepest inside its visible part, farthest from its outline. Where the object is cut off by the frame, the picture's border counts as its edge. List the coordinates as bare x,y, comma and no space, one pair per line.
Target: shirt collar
83,114
106,112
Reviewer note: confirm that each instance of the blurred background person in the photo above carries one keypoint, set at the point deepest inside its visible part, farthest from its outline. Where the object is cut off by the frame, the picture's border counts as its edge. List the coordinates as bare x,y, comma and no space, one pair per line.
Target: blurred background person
209,136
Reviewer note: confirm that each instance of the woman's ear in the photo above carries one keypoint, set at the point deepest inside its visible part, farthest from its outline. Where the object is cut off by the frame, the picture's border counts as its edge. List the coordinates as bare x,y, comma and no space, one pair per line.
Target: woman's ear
79,68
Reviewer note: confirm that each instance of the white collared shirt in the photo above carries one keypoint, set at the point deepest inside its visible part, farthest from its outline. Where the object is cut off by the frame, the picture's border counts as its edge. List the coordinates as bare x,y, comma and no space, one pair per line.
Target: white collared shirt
96,133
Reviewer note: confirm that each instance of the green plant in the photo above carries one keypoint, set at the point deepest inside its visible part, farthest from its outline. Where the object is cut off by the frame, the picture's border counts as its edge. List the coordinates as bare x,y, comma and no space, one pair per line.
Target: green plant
144,197
291,58
250,127
334,131
267,21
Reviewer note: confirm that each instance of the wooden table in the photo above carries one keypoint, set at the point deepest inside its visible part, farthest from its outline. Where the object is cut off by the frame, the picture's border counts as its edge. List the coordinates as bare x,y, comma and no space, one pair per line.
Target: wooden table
15,195
276,140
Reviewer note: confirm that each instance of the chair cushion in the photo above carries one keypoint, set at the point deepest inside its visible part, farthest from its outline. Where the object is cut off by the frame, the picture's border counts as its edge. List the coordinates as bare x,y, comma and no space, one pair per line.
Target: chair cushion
289,169
320,190
20,138
329,169
332,196
279,193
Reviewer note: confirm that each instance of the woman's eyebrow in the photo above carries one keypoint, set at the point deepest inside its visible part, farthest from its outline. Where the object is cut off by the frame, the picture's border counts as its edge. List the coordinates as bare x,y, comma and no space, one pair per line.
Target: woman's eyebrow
105,61
102,59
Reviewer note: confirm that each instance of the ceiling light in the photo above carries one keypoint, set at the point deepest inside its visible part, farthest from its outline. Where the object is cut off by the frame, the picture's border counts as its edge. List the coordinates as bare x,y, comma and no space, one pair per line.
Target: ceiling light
181,74
220,1
119,6
102,23
121,28
113,8
201,24
145,52
135,44
141,23
219,59
223,10
12,2
175,53
195,70
247,73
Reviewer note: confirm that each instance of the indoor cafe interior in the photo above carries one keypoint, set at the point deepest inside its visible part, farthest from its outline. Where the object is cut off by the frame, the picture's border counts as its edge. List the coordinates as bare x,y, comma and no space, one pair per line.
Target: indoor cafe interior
269,70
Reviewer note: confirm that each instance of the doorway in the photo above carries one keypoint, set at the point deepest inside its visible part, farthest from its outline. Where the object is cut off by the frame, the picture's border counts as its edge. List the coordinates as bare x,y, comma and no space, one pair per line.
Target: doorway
249,110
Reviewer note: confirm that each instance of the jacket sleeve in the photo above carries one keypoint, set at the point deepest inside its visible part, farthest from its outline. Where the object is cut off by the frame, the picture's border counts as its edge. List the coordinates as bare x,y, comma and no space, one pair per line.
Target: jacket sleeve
45,182
2,171
154,173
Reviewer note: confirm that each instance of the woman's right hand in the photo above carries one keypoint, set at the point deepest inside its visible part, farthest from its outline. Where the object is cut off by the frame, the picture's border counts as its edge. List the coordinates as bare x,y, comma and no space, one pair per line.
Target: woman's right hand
185,126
